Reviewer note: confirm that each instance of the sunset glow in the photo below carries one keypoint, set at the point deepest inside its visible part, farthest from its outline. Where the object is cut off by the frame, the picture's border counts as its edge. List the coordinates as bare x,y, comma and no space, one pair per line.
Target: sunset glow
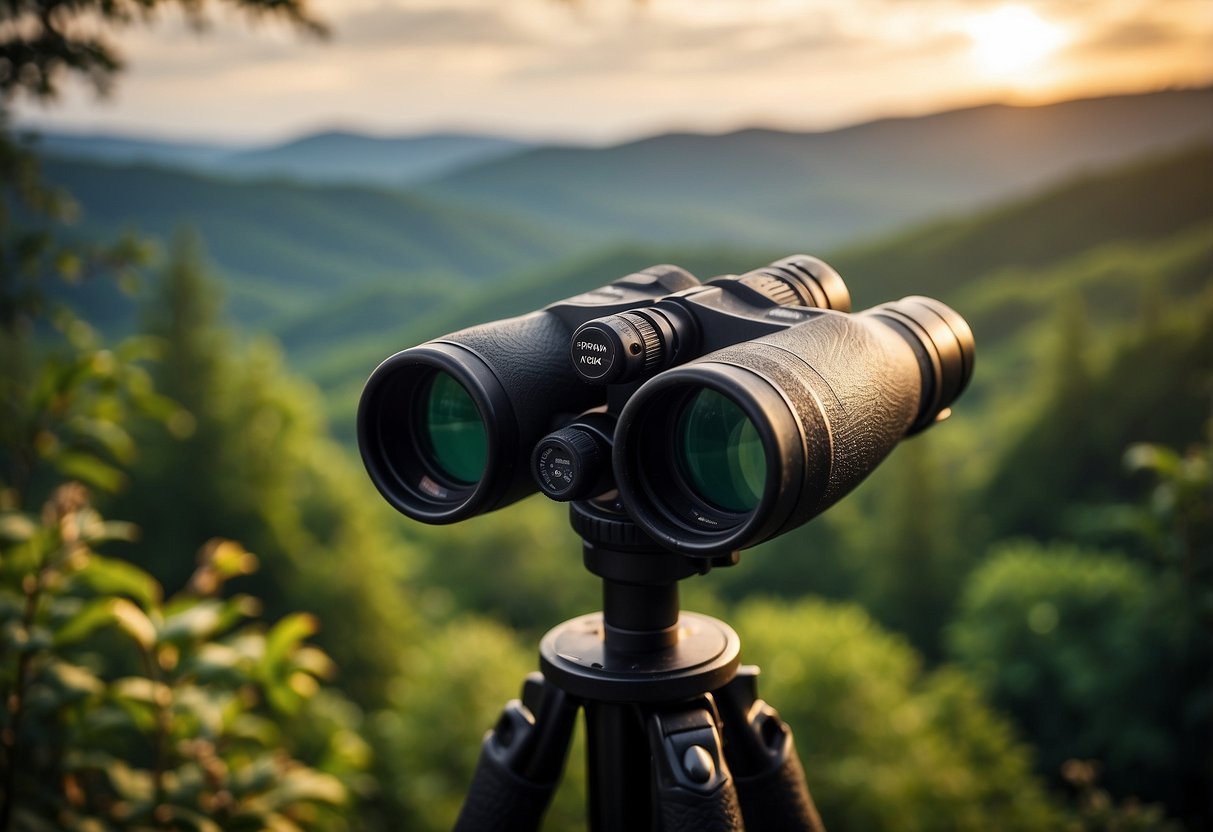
1012,39
616,69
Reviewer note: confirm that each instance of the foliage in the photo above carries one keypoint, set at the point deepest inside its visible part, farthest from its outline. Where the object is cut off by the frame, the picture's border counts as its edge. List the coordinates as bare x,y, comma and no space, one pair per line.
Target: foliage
886,746
45,39
61,412
261,471
1066,457
131,710
1097,811
507,570
1095,658
452,690
1175,524
122,707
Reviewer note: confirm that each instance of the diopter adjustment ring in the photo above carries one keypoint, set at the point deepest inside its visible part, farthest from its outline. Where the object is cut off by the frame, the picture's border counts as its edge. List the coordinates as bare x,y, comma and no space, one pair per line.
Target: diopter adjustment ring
651,348
775,287
818,285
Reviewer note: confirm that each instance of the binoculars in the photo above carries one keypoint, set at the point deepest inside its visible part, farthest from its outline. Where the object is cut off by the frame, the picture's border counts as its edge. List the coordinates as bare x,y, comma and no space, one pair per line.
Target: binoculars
714,415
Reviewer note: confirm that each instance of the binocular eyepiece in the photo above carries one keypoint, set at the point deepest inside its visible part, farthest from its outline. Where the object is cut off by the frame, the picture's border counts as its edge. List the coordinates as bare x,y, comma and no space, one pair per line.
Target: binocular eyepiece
717,414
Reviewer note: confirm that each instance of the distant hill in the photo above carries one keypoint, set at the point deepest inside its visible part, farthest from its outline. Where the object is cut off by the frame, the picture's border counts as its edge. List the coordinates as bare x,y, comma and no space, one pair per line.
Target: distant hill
1142,202
353,157
1124,238
333,156
817,189
101,147
285,246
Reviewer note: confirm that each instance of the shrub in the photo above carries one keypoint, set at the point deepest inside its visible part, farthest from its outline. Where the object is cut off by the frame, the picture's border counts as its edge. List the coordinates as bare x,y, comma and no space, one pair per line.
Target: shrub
125,709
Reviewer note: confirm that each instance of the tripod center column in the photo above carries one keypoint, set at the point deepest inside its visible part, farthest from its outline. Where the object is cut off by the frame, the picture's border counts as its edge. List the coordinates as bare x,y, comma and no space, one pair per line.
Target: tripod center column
639,618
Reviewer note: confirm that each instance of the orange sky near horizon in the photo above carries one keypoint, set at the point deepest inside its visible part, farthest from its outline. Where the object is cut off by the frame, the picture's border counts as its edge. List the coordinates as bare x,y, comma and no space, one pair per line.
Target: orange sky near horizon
608,70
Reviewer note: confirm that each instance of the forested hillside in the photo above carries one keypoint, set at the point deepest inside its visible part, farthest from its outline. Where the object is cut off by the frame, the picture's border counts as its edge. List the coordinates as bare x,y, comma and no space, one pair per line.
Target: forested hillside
294,255
1120,238
283,246
775,188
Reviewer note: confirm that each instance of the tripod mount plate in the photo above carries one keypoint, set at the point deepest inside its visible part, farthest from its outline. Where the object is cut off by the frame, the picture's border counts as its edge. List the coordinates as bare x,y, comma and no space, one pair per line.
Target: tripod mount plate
575,657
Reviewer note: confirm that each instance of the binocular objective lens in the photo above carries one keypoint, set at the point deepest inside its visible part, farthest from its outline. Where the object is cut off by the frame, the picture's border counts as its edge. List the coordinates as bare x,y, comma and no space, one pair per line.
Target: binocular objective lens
454,434
720,452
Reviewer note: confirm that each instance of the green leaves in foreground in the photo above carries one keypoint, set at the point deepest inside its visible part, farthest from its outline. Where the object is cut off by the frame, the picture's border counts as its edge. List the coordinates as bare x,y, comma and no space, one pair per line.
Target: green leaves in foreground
124,709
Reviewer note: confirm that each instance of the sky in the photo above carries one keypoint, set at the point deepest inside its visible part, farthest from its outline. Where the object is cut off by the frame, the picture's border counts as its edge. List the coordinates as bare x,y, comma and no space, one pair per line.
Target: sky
600,71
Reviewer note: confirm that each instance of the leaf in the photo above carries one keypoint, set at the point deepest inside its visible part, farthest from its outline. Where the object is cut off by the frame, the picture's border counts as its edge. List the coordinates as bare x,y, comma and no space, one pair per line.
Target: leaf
286,635
106,433
75,681
110,576
142,690
216,659
314,661
90,469
92,616
199,620
305,784
131,783
1146,457
116,530
230,559
135,622
255,728
17,528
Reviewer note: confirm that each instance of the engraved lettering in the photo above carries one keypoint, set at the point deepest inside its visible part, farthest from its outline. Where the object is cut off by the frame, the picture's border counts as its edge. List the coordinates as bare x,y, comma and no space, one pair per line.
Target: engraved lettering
587,345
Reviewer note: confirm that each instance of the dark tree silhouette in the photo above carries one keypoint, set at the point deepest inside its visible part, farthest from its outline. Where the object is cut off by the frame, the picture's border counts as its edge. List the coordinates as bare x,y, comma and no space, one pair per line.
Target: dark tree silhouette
41,41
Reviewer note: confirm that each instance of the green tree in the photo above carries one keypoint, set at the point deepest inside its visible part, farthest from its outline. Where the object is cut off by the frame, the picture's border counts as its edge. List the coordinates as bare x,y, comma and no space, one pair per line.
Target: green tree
1090,653
451,692
251,461
885,745
1049,463
908,551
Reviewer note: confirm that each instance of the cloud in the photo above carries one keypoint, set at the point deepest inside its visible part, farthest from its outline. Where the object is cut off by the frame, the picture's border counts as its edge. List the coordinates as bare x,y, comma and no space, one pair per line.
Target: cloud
613,68
1133,35
405,26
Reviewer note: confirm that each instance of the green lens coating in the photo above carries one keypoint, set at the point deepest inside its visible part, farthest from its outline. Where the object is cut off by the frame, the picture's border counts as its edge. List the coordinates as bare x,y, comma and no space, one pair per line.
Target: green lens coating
720,452
454,430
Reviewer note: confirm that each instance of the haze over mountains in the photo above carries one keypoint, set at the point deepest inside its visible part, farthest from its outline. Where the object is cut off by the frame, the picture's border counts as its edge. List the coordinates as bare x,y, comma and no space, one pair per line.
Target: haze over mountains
345,272
328,156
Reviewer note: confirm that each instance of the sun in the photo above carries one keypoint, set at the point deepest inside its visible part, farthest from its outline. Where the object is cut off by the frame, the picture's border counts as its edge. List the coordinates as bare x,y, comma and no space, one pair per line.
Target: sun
1012,39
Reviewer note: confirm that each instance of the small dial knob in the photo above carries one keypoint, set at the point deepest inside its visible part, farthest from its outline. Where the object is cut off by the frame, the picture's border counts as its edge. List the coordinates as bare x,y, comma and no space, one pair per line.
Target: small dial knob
571,464
622,347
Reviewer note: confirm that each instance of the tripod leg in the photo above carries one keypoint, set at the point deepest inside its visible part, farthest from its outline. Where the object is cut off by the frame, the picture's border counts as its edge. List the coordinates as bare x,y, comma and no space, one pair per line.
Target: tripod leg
520,761
694,789
617,765
770,780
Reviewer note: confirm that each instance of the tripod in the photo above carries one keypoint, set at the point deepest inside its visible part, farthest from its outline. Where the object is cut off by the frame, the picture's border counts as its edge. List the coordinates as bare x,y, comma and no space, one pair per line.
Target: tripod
677,738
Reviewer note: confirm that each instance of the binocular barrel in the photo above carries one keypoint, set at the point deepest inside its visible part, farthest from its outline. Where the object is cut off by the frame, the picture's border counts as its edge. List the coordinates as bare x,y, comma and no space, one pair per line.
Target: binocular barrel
446,428
755,439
